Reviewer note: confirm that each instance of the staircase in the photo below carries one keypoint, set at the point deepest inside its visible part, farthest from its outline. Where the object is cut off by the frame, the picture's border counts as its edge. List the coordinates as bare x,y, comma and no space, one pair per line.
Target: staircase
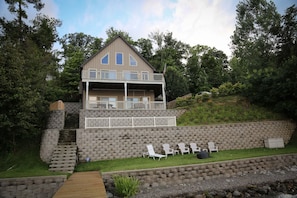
65,154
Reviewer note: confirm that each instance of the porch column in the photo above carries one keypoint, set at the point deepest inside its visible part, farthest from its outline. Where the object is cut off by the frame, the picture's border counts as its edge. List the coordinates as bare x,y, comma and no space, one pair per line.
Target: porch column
126,91
164,95
87,94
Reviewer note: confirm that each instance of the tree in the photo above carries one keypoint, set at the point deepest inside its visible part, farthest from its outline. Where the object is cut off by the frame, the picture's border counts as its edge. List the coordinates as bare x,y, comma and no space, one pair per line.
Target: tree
112,33
26,60
176,84
76,48
256,34
265,47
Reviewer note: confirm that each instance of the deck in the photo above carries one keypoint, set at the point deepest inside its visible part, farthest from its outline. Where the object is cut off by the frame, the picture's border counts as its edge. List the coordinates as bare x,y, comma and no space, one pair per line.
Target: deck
83,184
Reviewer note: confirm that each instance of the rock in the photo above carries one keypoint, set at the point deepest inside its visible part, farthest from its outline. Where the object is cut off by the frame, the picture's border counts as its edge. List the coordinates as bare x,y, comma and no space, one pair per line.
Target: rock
236,193
109,194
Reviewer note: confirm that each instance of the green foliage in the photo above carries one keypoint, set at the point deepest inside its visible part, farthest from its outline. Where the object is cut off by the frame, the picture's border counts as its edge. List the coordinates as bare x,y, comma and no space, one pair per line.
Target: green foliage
176,84
224,110
183,101
214,92
126,186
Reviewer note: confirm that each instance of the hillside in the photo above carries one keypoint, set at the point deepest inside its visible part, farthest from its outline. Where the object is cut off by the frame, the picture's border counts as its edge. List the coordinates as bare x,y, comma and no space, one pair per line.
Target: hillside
225,109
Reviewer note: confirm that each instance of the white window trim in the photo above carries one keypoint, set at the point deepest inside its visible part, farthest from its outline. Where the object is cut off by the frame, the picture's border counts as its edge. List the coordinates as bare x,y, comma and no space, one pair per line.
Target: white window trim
129,71
107,59
134,59
122,58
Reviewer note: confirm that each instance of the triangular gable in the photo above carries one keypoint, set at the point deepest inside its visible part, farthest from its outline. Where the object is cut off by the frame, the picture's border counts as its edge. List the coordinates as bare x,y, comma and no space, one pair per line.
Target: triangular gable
109,43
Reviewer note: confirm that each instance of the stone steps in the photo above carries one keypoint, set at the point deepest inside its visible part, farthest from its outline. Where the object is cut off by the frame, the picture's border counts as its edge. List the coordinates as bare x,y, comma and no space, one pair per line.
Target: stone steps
64,158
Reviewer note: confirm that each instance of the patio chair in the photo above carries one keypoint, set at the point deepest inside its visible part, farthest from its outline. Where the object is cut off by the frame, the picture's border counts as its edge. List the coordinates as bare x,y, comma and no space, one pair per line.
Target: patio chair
168,150
195,148
212,147
151,152
183,149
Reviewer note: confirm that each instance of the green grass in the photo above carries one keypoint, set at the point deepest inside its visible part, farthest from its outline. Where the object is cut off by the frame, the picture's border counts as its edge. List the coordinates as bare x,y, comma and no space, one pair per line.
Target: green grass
24,163
178,160
227,109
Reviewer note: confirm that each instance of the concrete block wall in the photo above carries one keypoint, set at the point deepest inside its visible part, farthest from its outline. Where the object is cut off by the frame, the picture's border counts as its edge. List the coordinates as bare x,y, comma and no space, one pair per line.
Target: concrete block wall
49,141
72,107
37,187
126,113
56,119
195,173
100,144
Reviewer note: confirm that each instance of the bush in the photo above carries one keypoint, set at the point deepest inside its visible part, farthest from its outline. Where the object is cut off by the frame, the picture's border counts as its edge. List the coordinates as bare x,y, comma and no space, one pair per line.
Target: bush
214,92
126,186
183,102
226,89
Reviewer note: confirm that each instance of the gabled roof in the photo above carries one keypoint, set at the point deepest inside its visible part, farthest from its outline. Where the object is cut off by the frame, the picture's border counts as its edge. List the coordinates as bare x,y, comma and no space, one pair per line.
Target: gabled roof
109,43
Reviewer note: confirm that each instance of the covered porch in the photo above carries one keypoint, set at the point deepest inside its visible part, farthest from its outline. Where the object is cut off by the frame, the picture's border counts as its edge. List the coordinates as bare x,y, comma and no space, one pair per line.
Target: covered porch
123,95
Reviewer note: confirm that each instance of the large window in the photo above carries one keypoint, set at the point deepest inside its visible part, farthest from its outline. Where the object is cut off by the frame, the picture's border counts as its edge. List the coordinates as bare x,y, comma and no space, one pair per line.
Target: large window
108,75
119,58
132,61
104,59
130,75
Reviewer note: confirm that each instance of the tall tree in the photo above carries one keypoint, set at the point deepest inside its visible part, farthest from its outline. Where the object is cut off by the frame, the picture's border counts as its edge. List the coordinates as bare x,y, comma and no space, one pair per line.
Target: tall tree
26,60
112,33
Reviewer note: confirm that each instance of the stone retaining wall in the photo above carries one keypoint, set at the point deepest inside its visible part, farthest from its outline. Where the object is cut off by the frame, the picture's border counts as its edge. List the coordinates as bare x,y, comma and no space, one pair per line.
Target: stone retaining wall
125,113
194,173
100,144
72,107
33,187
56,119
49,141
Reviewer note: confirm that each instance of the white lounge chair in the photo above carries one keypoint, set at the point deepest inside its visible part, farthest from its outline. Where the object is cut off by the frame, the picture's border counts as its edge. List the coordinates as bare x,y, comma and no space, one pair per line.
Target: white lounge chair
151,152
168,150
194,148
212,147
183,149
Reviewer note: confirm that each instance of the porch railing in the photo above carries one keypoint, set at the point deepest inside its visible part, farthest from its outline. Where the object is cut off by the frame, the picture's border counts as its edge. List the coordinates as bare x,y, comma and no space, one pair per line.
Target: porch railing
121,76
129,122
122,105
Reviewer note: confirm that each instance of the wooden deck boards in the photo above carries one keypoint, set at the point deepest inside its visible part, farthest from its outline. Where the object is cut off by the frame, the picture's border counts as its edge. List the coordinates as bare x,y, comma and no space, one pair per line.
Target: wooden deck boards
83,184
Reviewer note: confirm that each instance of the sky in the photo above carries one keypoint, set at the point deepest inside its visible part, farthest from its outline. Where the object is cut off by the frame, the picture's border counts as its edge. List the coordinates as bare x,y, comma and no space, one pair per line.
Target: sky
204,22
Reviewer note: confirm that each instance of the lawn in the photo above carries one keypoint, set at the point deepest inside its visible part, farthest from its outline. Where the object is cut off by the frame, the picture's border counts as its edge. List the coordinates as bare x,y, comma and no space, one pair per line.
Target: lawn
179,160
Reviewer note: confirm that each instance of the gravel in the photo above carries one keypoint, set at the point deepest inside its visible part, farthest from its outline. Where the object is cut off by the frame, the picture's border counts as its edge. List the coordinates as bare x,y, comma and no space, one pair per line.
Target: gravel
237,182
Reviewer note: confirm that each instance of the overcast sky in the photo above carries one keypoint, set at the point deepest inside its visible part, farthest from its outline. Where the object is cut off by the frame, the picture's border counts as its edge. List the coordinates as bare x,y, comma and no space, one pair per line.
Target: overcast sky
205,22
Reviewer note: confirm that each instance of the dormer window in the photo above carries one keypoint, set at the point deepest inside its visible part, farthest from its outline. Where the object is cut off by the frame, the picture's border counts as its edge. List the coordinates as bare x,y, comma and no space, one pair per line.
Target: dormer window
119,58
104,59
132,61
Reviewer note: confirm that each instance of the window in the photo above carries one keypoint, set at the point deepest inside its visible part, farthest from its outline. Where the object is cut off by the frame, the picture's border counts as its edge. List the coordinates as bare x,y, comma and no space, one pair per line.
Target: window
131,101
104,60
145,75
93,73
119,58
130,75
108,102
132,61
108,75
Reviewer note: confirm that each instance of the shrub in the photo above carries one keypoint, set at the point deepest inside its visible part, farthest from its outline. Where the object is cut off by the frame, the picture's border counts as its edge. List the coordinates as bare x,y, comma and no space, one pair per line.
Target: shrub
226,89
214,92
183,102
126,186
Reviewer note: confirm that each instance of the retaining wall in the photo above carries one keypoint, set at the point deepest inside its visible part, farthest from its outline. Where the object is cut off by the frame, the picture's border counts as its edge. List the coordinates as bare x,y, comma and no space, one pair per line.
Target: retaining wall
33,187
100,144
72,107
194,173
56,119
49,141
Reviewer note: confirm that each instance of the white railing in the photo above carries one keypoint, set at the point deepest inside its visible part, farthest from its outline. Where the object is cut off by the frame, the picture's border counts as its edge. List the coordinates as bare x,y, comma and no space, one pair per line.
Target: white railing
121,76
129,122
120,105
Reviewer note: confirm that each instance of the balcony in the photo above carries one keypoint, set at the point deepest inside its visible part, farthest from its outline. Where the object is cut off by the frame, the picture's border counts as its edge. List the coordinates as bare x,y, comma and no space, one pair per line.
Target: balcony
126,105
109,76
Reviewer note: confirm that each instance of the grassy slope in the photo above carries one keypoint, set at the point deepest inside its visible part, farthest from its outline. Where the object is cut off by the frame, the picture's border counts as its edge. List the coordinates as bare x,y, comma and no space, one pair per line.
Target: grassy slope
26,161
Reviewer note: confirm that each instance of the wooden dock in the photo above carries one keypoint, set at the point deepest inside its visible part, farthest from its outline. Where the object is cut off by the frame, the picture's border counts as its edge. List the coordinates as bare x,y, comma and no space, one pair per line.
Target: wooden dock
83,184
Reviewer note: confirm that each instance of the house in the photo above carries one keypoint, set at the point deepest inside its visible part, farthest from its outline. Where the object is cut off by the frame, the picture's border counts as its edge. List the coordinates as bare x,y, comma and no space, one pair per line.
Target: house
118,77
